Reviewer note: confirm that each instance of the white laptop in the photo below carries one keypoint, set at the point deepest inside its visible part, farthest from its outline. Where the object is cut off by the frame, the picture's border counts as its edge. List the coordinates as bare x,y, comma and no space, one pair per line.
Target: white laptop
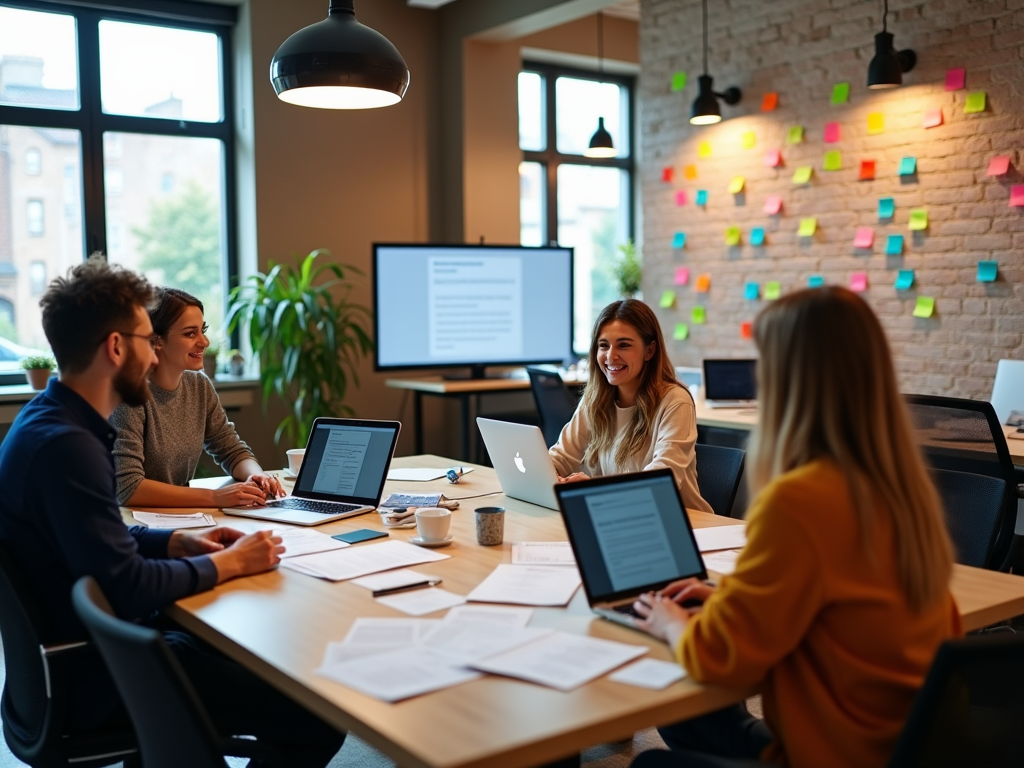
730,383
520,458
342,474
630,535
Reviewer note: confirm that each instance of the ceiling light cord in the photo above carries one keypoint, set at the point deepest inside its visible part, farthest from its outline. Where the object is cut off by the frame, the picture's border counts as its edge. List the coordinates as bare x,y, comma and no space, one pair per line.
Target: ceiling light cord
706,36
600,44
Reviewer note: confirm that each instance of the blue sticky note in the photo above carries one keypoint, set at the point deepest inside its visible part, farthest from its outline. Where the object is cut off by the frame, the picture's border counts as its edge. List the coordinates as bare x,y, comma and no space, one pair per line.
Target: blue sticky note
702,197
894,245
908,166
987,271
757,236
678,239
751,291
815,281
886,207
904,279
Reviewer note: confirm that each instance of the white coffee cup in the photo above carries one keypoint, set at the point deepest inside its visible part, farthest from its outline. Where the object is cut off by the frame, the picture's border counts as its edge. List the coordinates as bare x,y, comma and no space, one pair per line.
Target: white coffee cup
295,457
432,523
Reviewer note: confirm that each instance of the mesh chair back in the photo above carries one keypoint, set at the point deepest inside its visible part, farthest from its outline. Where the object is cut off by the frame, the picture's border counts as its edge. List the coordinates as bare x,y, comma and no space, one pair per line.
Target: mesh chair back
555,403
718,475
172,725
974,505
970,710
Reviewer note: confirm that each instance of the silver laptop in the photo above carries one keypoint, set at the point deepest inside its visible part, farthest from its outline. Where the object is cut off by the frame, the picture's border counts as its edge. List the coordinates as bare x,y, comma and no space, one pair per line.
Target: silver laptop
342,474
730,383
630,535
520,458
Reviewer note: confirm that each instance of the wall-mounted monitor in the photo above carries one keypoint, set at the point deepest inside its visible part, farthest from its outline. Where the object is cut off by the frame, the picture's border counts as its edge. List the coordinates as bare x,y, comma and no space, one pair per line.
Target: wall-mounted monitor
448,306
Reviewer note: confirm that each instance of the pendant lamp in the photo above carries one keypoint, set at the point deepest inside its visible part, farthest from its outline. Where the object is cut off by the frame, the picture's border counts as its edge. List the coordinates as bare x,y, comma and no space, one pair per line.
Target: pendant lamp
339,63
601,144
887,67
706,109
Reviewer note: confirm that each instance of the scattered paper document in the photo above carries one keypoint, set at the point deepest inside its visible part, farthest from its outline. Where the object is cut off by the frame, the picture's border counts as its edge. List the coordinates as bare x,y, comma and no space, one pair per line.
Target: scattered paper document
723,562
369,636
649,673
392,579
420,602
464,644
528,585
349,563
305,541
419,474
721,537
501,616
543,553
561,660
399,674
161,522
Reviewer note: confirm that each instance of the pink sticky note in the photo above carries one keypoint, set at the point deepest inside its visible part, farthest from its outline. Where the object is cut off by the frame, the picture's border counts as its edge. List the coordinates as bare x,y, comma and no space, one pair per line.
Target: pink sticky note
772,158
1017,195
933,118
682,275
859,282
956,79
773,204
998,165
865,237
832,132
680,197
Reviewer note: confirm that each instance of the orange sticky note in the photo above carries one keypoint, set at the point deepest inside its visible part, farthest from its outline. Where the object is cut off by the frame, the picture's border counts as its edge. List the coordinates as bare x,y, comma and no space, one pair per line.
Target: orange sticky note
773,158
747,330
769,102
667,173
690,171
999,165
703,284
933,118
682,275
867,170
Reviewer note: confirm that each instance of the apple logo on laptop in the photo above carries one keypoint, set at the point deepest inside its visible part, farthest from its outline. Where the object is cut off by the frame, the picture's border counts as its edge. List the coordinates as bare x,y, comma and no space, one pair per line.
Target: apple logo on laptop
519,463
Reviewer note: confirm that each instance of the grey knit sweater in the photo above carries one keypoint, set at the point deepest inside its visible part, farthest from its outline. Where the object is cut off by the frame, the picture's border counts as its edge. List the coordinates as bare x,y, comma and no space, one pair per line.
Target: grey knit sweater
163,439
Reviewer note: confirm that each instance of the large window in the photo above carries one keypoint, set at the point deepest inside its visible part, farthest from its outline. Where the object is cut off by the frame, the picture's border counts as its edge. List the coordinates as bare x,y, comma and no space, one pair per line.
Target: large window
566,197
115,136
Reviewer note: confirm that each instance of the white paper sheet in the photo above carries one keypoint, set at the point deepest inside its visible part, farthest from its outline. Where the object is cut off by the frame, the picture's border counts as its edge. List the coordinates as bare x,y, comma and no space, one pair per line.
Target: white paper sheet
465,643
649,673
420,602
392,579
349,563
501,616
369,636
561,660
542,553
721,537
528,585
398,674
306,541
161,522
723,562
420,474
211,483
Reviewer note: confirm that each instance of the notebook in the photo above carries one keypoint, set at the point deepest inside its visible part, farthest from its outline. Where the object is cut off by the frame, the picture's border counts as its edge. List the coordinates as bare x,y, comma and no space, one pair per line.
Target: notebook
521,460
342,474
630,535
730,383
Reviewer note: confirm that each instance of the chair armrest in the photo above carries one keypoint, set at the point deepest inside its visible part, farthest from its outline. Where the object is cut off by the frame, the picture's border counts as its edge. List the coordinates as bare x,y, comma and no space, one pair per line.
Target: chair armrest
59,652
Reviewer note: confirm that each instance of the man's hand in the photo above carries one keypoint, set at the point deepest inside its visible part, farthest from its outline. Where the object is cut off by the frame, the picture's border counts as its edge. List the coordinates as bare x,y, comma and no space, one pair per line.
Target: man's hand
190,544
254,553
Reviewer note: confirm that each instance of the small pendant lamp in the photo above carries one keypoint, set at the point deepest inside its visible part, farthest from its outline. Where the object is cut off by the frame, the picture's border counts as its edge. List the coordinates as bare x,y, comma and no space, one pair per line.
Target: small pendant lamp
887,67
339,63
601,144
706,110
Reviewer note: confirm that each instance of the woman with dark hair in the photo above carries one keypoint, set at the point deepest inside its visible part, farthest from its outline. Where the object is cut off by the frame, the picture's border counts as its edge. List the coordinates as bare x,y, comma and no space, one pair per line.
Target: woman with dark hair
159,443
634,415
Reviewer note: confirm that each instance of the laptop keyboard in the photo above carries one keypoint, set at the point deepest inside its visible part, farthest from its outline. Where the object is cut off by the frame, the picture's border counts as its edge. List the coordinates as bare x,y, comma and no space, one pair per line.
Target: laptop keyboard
628,610
319,507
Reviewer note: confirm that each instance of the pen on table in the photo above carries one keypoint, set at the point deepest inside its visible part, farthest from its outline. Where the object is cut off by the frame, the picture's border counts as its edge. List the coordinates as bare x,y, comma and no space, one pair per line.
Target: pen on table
406,587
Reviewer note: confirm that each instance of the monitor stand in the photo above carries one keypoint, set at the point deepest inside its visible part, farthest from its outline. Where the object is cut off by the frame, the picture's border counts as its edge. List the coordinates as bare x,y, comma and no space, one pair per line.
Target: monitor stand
476,373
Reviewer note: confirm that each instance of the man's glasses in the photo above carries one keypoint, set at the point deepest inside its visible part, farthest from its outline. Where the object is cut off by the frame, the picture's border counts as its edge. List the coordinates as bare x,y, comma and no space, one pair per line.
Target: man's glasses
153,339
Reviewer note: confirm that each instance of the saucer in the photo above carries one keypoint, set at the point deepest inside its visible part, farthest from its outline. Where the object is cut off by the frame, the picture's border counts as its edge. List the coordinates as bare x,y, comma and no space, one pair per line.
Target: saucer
442,543
288,473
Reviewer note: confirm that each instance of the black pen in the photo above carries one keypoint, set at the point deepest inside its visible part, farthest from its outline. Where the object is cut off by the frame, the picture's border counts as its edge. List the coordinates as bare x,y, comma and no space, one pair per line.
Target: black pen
406,587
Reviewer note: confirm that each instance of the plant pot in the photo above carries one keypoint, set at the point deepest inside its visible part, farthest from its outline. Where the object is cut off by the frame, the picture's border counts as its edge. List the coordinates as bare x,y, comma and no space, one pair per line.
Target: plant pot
38,377
209,366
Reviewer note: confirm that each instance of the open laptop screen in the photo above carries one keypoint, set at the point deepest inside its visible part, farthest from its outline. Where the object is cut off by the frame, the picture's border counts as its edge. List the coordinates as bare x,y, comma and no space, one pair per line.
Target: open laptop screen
630,534
730,379
346,458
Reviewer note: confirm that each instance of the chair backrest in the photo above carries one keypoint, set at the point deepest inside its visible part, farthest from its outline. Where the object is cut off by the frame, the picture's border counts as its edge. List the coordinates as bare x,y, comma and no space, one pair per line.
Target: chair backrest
965,436
1008,389
970,710
555,403
172,726
974,506
718,475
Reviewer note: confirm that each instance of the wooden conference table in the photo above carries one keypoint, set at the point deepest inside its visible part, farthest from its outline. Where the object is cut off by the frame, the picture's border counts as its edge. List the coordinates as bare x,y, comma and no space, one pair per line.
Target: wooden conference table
279,623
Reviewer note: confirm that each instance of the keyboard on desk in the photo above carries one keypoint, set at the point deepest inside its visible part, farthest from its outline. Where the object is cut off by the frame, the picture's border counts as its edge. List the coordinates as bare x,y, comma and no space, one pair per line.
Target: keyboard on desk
628,610
319,507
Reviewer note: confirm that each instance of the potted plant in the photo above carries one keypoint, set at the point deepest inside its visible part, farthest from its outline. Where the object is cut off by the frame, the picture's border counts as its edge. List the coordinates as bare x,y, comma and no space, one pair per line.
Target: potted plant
38,369
210,361
628,271
308,336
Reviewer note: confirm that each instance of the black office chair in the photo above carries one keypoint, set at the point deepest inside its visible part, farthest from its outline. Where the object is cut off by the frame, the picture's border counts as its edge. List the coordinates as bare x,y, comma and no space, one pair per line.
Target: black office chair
555,403
965,436
35,691
718,475
974,508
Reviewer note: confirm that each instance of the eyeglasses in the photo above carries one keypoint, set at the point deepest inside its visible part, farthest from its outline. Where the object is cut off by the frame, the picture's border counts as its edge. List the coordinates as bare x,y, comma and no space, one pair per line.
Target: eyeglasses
153,339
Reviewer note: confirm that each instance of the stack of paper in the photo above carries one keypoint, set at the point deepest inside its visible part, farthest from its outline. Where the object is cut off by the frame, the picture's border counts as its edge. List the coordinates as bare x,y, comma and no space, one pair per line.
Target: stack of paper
161,522
721,537
349,563
542,553
723,562
528,585
306,541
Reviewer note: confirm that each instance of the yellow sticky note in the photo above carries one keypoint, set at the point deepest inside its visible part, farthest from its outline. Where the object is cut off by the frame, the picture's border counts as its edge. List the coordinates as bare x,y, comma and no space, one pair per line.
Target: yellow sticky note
703,284
749,140
732,236
808,227
698,316
975,103
795,134
682,332
772,290
918,218
925,306
876,123
668,299
704,150
736,185
803,174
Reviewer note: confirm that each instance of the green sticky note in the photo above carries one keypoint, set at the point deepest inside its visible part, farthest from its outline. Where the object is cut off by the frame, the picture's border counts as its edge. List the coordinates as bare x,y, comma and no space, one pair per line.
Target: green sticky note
678,239
698,316
702,197
975,103
772,290
904,279
678,81
757,236
918,219
732,236
987,271
751,291
807,227
840,93
815,281
749,139
668,299
894,245
925,306
803,174
795,135
886,207
833,160
682,332
908,166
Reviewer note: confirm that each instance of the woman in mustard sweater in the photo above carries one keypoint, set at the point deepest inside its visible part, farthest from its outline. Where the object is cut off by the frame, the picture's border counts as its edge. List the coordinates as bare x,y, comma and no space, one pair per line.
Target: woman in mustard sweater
840,598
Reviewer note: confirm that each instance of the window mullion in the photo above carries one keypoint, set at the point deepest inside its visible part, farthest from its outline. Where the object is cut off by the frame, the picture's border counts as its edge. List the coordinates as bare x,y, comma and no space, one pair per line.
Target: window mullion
551,199
94,209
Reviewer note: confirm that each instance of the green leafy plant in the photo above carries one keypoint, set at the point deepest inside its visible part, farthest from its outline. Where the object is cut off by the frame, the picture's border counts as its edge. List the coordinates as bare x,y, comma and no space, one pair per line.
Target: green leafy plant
38,363
308,336
628,270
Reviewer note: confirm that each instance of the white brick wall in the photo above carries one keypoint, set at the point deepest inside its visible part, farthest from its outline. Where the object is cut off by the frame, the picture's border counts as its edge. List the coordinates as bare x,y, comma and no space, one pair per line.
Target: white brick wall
800,48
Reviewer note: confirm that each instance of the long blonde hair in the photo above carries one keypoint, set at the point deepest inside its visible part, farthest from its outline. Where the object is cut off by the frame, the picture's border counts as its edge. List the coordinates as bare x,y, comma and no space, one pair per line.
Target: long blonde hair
598,402
827,388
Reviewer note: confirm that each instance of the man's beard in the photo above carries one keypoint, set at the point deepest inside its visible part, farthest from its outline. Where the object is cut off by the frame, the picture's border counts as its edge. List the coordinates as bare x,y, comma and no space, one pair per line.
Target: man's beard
132,381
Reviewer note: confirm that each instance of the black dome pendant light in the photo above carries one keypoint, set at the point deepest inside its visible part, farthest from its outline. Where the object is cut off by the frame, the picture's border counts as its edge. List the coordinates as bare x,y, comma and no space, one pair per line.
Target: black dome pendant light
887,67
706,110
601,144
339,63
